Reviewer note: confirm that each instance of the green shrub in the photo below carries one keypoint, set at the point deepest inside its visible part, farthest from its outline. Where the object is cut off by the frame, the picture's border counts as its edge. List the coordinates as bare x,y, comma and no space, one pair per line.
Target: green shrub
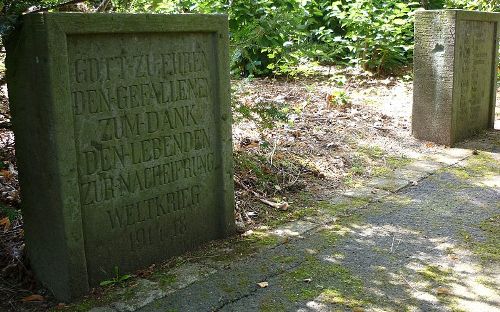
481,5
379,33
277,37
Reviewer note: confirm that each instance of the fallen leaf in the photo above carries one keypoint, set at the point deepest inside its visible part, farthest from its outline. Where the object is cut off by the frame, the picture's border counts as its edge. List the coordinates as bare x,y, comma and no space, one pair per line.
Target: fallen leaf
358,309
441,291
5,222
6,174
33,298
307,280
263,284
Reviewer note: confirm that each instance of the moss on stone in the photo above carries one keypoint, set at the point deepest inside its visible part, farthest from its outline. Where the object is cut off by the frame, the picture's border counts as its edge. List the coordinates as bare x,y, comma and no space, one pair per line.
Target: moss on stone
269,304
487,282
482,164
348,289
86,304
334,296
333,233
166,279
489,249
458,172
396,162
284,259
436,274
342,206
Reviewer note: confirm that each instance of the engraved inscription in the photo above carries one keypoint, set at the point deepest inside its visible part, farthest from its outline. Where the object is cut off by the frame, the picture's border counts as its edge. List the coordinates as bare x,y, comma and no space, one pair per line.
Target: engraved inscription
145,140
474,72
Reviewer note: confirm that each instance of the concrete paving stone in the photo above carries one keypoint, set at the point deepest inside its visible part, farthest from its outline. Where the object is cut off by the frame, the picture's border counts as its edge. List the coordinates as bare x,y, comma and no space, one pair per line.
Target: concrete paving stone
102,309
425,165
240,278
388,184
295,228
364,192
410,175
189,273
450,156
144,293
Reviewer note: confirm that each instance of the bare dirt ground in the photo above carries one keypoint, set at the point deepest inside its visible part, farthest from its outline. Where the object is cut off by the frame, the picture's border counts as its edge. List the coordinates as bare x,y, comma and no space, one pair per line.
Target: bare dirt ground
291,137
339,128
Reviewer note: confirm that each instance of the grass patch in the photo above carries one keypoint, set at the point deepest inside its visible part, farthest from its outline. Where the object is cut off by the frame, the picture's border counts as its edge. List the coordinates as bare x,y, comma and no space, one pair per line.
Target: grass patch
482,164
373,161
487,282
343,206
330,282
166,279
268,304
396,162
284,259
336,297
433,273
489,249
373,152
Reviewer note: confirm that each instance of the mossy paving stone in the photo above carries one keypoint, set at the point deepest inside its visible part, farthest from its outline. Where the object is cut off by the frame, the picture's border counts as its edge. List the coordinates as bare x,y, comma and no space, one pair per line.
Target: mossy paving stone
240,278
392,255
382,263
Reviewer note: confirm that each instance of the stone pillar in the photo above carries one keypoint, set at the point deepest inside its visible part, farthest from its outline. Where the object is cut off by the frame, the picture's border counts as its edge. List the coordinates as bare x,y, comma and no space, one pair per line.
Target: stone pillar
123,140
455,67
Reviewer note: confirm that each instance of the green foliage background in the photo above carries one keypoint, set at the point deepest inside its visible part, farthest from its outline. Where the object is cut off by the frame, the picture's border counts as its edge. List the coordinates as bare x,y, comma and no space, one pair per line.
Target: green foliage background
274,37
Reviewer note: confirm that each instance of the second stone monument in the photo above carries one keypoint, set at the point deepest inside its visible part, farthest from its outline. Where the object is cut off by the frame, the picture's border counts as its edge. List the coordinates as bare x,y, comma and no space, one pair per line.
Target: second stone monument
455,66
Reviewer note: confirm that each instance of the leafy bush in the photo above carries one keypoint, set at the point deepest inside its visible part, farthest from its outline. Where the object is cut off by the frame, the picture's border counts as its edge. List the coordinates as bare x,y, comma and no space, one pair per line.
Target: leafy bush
275,36
264,35
481,5
278,36
379,33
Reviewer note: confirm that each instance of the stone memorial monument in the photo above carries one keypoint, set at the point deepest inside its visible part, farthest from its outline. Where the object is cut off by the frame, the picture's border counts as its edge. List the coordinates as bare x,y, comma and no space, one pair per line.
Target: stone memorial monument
123,140
455,67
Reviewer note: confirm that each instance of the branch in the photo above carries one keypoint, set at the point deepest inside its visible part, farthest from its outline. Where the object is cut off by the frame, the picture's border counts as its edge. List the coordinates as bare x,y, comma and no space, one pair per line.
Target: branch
103,5
281,206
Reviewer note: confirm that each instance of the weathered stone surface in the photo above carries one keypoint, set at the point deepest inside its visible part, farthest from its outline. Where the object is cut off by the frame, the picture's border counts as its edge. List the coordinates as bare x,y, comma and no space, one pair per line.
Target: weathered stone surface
123,139
424,166
144,292
455,62
368,193
296,228
390,184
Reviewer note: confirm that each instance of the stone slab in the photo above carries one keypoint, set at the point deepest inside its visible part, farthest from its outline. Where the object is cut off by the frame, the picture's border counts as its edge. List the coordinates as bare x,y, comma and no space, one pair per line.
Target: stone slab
455,62
366,192
123,139
143,292
296,228
390,184
424,166
410,175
